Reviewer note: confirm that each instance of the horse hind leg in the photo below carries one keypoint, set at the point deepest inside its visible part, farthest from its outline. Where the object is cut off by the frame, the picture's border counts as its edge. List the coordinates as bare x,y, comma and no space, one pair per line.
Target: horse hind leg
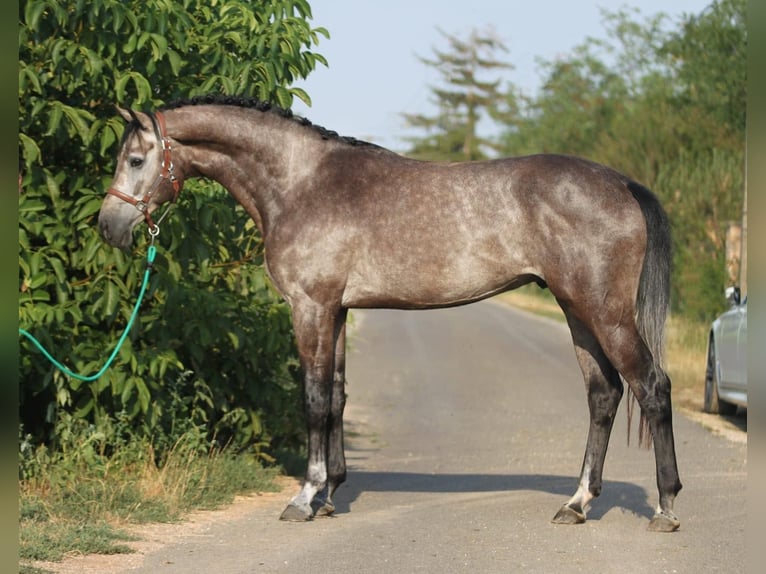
656,408
604,388
650,385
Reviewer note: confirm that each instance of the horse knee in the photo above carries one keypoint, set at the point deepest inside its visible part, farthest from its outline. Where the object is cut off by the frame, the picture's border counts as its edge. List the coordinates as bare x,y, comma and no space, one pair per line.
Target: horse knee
316,415
317,401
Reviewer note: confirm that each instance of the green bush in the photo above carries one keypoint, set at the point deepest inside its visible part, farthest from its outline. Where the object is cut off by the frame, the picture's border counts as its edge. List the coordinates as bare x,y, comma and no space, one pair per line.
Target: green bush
213,344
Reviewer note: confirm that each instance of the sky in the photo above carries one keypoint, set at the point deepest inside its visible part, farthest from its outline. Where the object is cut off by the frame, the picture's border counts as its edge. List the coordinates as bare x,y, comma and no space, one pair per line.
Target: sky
374,74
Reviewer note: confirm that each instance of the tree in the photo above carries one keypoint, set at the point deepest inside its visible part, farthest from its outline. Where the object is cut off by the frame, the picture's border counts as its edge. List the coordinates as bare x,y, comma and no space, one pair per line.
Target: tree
213,344
709,57
576,106
463,99
79,58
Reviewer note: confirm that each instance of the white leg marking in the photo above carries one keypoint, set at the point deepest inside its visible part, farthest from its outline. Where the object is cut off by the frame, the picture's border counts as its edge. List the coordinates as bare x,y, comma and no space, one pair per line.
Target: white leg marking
583,496
318,473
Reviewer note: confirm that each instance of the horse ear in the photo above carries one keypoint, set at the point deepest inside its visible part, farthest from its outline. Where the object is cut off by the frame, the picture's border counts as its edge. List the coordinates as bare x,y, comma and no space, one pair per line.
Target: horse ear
133,116
124,113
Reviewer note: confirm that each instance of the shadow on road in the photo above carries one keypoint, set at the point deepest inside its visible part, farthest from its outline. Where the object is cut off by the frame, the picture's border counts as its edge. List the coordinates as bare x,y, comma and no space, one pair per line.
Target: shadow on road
629,497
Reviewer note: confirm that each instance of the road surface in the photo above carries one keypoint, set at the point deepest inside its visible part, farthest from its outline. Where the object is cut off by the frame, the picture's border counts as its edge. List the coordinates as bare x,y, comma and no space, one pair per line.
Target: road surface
465,434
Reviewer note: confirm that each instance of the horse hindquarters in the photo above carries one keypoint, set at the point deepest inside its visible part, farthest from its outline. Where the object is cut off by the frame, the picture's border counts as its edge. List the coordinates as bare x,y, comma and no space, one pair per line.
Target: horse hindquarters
626,327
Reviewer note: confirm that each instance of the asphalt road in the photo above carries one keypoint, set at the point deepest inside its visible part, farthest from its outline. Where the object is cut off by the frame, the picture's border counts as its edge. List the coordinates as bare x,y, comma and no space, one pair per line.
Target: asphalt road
465,433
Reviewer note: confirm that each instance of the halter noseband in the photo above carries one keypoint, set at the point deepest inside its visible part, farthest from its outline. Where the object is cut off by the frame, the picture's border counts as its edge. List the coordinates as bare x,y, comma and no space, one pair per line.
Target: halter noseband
166,173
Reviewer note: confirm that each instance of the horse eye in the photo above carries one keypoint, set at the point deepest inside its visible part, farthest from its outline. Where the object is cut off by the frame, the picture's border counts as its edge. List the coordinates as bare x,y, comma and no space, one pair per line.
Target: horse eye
136,162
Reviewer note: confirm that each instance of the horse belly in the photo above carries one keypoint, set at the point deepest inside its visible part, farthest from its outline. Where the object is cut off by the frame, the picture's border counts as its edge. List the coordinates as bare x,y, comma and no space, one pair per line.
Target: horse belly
414,280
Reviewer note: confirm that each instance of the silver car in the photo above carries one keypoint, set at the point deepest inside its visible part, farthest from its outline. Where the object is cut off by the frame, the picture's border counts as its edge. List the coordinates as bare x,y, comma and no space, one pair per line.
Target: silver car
726,373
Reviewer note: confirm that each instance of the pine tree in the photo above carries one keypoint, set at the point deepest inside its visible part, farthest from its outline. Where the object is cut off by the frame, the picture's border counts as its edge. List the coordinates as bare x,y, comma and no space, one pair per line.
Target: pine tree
462,100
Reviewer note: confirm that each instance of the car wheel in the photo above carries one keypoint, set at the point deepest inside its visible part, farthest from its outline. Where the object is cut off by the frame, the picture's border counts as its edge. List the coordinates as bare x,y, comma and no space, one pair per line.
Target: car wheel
713,404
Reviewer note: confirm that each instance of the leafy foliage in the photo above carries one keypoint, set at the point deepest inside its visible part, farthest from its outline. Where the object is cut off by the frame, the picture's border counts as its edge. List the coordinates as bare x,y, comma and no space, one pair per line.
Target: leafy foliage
211,333
709,55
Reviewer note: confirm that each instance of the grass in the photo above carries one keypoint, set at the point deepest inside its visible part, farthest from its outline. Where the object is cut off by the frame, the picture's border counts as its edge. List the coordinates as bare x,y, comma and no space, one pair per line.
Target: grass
686,360
50,540
70,504
686,345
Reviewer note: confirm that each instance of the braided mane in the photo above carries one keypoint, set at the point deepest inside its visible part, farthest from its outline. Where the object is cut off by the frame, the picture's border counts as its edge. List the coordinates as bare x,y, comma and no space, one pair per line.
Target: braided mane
265,107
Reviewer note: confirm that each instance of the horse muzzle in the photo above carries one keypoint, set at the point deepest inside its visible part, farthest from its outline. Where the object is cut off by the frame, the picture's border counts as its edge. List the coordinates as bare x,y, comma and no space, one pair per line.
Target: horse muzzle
116,222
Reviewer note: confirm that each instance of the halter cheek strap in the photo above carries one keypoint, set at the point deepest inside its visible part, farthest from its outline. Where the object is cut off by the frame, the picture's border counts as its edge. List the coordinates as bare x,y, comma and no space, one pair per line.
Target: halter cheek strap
166,173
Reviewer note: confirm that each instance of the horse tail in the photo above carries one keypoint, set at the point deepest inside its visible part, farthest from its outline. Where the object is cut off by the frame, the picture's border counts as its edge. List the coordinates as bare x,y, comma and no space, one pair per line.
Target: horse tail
653,297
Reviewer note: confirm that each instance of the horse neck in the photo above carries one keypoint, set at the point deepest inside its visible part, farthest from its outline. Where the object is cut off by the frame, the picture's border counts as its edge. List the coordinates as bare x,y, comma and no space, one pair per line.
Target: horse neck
253,154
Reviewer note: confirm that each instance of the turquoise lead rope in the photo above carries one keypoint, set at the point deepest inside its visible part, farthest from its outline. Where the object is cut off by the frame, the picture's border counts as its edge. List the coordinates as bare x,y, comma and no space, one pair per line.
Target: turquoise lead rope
150,255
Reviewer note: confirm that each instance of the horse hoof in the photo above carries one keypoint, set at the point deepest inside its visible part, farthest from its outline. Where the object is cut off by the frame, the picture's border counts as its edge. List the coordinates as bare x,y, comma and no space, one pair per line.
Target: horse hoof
664,522
326,509
295,513
568,515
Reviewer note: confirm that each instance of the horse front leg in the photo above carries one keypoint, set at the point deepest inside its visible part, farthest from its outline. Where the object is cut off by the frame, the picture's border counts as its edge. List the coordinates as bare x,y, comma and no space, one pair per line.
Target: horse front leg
336,457
316,332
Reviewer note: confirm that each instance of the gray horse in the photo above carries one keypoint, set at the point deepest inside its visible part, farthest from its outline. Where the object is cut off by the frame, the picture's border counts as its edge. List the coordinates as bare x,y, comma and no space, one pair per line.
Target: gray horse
347,224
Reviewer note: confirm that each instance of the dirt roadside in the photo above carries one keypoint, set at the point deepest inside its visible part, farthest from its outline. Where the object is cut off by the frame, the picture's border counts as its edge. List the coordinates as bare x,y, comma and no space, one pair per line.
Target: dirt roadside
153,536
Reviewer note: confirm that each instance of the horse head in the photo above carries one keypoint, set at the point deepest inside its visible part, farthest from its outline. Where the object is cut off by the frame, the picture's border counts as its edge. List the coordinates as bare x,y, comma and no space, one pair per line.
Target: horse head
144,178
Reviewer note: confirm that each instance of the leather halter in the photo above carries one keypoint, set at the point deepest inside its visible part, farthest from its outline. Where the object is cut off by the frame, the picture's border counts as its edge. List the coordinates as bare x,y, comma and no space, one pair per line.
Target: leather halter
166,173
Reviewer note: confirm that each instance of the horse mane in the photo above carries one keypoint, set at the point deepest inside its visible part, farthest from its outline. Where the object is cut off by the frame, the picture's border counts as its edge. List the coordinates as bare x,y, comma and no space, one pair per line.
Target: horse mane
265,107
